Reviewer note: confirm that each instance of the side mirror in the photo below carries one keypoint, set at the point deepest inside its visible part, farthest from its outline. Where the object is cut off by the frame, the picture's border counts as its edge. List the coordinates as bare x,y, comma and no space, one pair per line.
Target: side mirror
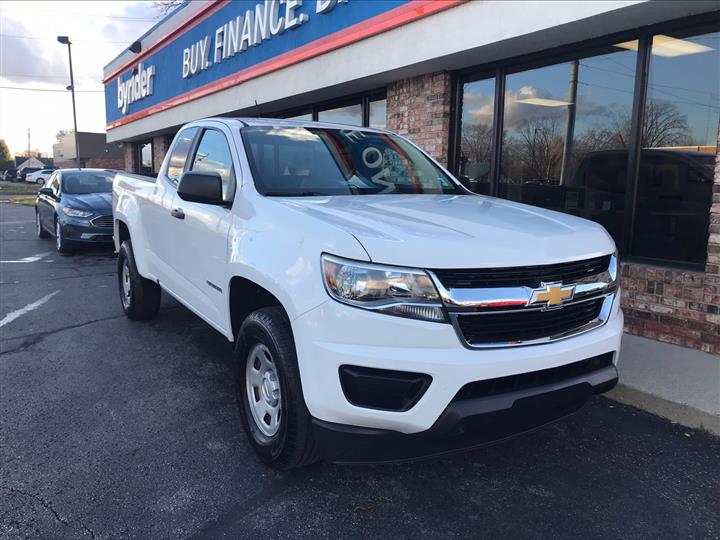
201,187
47,191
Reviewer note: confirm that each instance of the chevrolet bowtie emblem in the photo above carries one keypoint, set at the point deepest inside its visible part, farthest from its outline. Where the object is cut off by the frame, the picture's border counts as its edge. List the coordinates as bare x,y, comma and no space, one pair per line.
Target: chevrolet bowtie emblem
552,294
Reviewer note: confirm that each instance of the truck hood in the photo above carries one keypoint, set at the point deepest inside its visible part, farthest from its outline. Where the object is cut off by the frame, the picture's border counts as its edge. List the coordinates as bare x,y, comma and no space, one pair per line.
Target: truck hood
457,231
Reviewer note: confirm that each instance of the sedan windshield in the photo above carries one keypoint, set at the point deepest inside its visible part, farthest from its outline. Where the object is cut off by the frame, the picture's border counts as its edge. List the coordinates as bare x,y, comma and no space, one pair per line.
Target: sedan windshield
82,183
306,161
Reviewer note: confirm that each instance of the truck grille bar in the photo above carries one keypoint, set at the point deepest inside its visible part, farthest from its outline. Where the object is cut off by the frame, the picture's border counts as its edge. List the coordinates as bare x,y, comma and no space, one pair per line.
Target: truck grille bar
509,307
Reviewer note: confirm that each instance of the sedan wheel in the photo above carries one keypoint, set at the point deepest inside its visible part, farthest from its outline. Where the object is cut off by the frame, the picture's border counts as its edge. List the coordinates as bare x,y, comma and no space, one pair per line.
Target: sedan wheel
60,243
41,232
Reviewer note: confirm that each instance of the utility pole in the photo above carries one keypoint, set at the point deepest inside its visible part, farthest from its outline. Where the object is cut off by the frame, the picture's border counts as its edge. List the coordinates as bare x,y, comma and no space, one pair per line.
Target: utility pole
565,168
65,40
28,153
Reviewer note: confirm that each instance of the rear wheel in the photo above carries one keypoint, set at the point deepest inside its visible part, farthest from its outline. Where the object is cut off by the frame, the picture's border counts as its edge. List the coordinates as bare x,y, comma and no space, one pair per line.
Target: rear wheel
41,232
140,297
269,392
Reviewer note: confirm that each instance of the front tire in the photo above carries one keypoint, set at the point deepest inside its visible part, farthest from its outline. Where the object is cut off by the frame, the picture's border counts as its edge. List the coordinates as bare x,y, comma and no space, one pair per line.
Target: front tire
269,393
61,244
139,297
41,232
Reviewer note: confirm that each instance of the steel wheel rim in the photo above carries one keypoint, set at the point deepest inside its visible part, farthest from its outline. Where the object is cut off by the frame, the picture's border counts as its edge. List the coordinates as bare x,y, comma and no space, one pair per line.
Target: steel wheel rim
58,239
126,285
262,386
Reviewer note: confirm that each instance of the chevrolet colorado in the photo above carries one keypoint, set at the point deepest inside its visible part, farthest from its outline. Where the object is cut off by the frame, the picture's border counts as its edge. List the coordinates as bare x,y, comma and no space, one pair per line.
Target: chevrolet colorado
379,310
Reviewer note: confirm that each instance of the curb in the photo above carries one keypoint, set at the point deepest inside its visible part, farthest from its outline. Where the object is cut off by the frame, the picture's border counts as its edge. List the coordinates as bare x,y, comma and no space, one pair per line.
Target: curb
677,412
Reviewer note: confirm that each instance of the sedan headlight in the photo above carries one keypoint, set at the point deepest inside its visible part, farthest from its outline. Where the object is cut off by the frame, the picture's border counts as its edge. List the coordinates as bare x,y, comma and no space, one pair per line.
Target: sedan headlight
76,212
406,292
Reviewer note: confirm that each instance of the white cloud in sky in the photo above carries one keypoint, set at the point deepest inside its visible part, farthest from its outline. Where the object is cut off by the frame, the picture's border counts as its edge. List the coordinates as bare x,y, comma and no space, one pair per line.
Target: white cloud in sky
99,31
480,107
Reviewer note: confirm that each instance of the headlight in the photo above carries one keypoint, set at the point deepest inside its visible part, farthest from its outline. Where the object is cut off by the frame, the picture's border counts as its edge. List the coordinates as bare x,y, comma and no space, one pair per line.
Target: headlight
406,292
75,212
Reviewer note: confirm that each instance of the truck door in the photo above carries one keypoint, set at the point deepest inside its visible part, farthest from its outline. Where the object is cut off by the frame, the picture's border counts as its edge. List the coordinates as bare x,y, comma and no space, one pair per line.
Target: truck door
159,228
201,233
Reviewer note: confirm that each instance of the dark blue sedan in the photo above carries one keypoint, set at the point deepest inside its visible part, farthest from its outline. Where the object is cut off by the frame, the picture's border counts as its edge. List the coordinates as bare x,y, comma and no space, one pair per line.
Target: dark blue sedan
75,205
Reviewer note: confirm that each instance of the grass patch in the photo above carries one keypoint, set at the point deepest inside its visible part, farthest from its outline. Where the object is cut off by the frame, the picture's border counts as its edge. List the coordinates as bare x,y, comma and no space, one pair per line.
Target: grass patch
19,188
25,201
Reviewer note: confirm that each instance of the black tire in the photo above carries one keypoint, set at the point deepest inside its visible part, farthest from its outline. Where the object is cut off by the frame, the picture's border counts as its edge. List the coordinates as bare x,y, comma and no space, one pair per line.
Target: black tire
62,245
293,445
41,232
142,301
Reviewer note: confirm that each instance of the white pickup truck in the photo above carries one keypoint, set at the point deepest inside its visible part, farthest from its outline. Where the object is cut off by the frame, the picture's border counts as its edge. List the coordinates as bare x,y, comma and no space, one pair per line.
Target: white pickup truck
380,311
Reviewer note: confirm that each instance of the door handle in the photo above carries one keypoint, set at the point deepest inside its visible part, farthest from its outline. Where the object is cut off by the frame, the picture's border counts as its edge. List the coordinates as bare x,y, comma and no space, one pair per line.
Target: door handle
177,213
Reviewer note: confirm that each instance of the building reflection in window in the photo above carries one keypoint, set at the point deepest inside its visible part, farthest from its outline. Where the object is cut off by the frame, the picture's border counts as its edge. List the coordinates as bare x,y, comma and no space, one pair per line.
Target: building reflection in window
679,145
565,137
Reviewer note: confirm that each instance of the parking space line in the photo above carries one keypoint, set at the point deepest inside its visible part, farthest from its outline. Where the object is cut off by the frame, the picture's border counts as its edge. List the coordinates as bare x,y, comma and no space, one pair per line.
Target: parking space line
32,258
10,317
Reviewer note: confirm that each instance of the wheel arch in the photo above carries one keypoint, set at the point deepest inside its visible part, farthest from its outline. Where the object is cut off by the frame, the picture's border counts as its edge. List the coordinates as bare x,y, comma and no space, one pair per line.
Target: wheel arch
246,296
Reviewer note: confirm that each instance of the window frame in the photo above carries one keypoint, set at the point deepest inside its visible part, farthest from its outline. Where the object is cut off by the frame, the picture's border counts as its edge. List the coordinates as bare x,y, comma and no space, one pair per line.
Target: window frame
314,109
232,188
500,69
191,151
138,150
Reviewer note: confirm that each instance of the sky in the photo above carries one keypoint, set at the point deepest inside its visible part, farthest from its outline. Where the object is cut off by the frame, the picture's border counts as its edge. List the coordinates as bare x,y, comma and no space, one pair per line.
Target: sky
99,31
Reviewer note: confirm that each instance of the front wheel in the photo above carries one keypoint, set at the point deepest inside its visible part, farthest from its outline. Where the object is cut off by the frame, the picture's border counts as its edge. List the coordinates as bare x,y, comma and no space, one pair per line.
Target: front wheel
61,244
41,232
140,297
269,392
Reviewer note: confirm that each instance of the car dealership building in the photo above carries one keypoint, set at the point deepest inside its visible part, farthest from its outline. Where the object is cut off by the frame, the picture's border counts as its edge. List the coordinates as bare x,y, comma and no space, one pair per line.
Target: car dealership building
608,110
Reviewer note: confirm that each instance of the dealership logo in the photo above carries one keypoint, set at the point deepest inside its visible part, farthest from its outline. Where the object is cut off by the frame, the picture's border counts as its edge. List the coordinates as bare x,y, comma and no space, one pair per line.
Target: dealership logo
552,294
138,86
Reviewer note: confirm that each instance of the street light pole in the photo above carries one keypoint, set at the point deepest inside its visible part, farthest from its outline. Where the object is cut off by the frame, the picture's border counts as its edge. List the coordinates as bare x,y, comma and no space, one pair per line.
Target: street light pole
65,40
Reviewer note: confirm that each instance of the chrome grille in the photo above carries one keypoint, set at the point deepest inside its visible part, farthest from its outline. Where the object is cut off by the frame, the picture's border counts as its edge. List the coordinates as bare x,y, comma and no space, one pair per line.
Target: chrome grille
105,222
506,307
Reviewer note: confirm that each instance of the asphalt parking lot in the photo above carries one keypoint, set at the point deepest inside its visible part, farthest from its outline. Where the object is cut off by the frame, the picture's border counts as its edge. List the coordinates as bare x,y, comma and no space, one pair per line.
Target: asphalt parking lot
110,428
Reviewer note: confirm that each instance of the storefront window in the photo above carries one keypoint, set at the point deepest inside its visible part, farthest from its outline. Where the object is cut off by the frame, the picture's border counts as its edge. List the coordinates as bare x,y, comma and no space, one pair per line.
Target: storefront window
476,141
351,114
679,145
145,158
378,114
565,137
307,117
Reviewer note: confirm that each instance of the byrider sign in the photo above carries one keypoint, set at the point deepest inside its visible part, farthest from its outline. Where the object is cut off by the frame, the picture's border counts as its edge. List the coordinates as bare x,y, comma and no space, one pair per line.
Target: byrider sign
268,19
138,86
225,43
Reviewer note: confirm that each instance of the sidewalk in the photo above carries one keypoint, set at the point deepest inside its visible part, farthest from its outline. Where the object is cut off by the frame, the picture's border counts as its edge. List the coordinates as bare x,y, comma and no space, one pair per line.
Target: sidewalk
680,384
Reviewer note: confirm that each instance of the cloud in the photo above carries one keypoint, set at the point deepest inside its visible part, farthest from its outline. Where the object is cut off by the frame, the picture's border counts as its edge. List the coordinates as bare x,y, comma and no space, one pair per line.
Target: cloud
478,108
42,63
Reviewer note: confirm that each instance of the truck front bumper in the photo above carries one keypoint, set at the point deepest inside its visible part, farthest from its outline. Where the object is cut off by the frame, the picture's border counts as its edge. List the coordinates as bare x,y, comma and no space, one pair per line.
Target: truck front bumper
334,335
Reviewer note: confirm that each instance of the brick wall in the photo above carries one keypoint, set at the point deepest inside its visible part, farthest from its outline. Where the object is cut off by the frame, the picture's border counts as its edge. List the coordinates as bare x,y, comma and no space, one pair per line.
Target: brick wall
419,108
106,163
130,157
160,145
675,306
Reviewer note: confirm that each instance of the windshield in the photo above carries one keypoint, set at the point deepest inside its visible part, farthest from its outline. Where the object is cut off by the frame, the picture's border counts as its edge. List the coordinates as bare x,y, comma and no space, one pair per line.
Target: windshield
82,183
306,161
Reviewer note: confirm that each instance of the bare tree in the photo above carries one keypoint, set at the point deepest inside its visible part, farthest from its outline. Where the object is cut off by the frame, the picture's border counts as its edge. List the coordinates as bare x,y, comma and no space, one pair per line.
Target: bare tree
541,148
477,143
165,6
664,125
